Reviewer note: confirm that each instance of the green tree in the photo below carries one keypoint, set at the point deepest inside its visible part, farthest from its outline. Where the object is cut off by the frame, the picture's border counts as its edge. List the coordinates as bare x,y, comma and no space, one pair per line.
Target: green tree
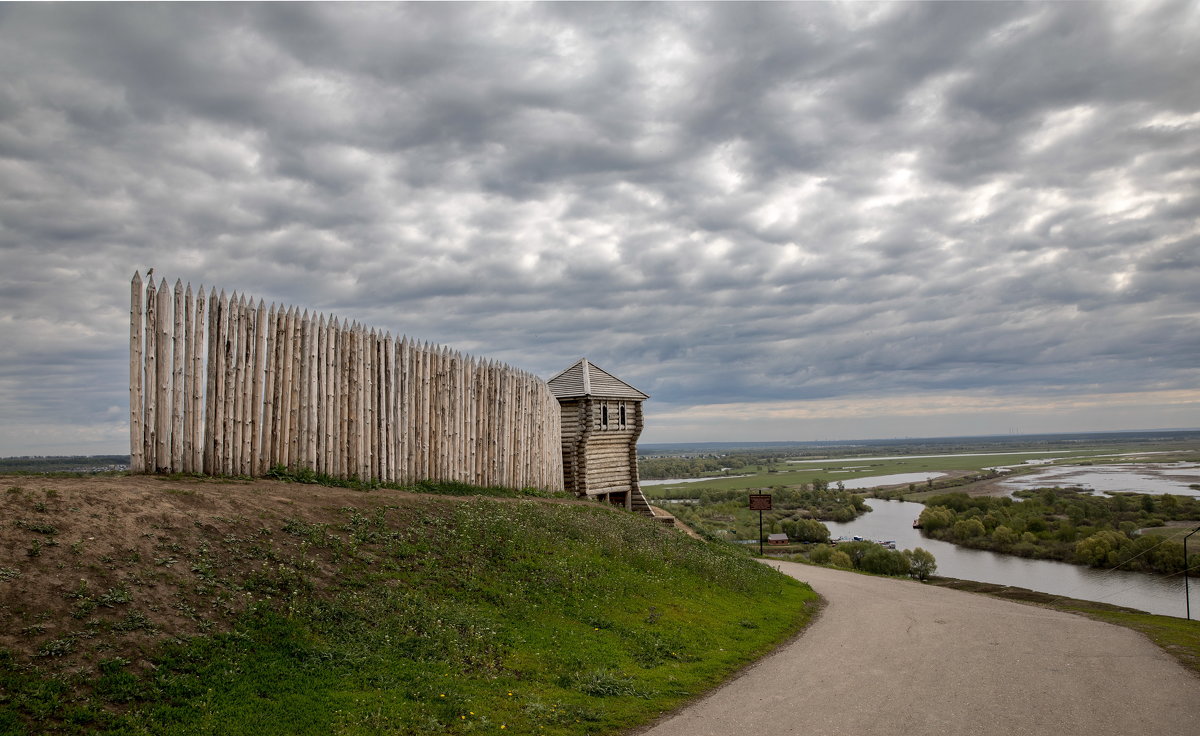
806,530
1002,535
921,563
1099,549
884,562
968,529
821,554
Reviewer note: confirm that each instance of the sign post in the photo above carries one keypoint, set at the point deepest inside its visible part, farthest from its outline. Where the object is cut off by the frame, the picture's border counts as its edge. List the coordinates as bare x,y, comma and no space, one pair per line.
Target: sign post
760,502
1187,594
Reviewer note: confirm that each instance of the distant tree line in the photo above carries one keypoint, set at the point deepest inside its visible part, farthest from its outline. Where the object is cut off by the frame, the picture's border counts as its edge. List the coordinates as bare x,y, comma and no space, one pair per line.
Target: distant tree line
1067,524
809,500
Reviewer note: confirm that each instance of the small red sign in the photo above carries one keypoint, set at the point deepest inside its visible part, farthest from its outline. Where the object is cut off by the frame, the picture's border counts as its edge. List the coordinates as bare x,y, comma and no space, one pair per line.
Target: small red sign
760,502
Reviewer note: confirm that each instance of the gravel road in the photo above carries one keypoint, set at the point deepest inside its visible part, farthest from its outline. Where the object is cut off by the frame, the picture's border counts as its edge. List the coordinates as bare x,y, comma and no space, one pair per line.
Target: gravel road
902,659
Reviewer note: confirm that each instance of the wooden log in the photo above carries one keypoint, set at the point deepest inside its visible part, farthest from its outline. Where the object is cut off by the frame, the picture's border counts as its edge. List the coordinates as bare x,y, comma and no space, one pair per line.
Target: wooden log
211,421
241,454
362,461
461,456
198,420
220,367
406,410
387,410
230,319
303,387
468,419
258,387
150,421
267,428
330,413
162,450
177,355
370,426
319,399
137,450
344,401
294,382
436,413
354,405
188,383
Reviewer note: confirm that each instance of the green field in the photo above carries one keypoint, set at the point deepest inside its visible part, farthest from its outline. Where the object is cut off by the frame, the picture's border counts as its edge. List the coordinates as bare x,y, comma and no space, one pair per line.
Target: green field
832,470
786,471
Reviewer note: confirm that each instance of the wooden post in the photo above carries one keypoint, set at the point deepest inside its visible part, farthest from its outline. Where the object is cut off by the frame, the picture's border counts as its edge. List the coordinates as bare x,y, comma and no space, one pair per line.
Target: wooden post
292,387
370,456
176,463
304,388
197,418
137,456
150,433
404,408
240,399
210,393
314,390
320,400
228,379
162,450
188,385
388,399
337,434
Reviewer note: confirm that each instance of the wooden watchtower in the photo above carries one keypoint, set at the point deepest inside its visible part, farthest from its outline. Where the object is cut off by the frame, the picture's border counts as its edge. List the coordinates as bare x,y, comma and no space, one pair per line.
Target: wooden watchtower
601,422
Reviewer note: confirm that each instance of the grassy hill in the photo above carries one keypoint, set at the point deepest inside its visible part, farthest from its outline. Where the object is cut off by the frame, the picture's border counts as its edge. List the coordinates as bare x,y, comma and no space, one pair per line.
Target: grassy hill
134,604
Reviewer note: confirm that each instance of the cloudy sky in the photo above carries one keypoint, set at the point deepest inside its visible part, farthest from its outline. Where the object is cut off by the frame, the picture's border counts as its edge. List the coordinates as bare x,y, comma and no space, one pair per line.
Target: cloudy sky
783,221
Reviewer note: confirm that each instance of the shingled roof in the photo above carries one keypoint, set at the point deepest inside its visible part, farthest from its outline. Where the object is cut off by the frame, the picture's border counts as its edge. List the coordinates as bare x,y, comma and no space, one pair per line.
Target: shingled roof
585,379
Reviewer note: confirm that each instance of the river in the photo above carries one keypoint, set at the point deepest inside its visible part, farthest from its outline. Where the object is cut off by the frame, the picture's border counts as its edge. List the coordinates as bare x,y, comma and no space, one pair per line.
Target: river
892,520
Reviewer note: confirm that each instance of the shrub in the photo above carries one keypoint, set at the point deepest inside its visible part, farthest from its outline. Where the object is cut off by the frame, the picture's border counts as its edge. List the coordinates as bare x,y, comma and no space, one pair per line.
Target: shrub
806,530
821,554
1004,536
841,559
884,562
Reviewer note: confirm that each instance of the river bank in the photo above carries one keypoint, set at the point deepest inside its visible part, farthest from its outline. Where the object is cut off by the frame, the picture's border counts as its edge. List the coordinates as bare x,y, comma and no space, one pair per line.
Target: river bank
1151,593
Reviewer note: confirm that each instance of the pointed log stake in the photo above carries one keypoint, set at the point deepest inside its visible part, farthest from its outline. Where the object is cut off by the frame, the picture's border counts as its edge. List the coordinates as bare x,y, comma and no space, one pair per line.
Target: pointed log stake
177,350
197,396
162,449
210,385
185,402
137,458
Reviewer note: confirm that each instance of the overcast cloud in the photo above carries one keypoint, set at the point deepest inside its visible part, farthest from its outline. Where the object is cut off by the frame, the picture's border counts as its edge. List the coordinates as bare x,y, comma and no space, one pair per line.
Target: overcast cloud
783,221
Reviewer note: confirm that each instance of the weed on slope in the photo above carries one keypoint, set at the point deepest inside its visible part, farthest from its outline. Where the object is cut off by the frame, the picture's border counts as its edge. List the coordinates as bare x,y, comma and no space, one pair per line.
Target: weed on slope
394,614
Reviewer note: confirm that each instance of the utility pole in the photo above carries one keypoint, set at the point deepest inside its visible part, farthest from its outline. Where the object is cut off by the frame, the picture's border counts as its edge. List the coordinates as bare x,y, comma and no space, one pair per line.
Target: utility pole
1187,594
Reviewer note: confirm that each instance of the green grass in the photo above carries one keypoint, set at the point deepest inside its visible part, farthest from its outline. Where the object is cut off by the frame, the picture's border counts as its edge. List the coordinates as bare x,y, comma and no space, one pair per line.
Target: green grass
431,616
443,488
783,473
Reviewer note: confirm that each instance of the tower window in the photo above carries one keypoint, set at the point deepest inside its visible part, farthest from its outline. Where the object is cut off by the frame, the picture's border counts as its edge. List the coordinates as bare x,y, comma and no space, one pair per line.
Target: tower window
604,416
621,424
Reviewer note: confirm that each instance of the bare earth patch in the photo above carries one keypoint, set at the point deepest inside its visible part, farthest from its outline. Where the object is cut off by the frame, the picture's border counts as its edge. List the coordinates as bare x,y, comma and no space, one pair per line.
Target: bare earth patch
110,563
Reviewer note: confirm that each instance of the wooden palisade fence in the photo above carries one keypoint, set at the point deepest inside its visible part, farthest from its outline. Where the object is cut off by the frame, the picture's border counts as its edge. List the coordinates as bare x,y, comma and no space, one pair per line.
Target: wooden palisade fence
222,386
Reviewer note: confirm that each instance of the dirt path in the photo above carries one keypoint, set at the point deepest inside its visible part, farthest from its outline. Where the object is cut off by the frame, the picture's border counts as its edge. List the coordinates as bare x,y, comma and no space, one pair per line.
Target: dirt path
894,658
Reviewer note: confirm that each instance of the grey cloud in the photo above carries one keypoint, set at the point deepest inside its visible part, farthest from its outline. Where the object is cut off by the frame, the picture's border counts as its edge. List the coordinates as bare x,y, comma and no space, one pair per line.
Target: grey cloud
719,202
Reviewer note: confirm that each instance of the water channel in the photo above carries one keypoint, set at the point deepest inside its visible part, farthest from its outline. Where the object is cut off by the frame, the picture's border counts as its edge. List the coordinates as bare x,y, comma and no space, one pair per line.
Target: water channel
892,520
